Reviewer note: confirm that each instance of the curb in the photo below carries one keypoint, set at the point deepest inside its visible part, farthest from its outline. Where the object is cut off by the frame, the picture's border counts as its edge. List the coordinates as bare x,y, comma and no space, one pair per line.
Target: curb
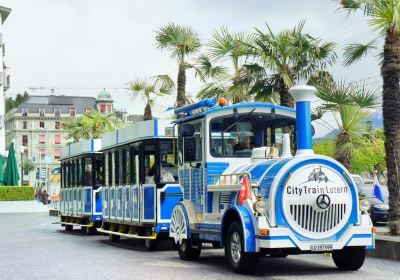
386,247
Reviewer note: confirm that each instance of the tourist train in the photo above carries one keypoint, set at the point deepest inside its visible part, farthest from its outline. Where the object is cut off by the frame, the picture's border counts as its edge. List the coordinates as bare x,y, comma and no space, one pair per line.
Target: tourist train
242,177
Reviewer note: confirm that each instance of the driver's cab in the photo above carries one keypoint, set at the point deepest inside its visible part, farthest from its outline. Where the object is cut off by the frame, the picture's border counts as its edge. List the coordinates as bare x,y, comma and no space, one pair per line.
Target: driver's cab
221,140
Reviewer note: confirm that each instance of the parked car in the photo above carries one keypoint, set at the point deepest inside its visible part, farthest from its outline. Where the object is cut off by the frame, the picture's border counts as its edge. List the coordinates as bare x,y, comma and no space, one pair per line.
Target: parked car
379,211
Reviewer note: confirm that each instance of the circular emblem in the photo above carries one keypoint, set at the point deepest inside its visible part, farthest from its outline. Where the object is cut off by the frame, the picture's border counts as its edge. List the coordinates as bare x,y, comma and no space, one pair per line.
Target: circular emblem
323,201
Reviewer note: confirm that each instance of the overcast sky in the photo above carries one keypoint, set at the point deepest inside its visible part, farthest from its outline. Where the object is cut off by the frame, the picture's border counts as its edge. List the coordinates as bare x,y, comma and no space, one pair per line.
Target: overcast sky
81,46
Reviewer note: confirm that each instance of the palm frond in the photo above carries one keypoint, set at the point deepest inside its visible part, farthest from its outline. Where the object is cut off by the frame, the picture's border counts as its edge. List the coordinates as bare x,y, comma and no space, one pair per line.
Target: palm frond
354,52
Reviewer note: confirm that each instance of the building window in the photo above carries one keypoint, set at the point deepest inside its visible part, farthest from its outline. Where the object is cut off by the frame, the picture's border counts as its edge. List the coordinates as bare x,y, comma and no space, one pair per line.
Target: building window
42,139
41,112
72,112
57,125
24,125
57,153
57,112
25,140
41,124
109,108
24,112
102,108
57,139
42,153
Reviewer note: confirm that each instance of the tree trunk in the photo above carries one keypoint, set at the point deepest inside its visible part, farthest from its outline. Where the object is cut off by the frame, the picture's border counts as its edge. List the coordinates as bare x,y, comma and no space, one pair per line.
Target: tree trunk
343,155
181,82
147,112
390,71
284,95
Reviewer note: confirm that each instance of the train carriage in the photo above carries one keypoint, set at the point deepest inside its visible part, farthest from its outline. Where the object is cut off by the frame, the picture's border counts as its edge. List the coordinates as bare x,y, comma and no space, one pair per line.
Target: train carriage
140,181
244,191
81,183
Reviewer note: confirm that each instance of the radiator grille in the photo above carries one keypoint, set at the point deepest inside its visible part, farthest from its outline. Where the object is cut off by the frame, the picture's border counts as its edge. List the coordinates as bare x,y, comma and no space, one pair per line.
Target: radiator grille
318,221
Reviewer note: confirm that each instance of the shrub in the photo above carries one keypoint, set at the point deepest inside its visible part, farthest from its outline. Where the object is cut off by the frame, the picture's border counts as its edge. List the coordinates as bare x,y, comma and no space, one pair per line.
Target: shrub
16,193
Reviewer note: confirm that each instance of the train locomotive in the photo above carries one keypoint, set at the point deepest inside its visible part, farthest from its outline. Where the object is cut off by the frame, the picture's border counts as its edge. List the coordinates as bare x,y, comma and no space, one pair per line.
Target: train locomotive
244,191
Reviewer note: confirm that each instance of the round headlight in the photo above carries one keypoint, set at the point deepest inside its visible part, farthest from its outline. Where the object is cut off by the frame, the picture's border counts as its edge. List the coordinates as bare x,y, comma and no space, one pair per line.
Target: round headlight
365,205
260,206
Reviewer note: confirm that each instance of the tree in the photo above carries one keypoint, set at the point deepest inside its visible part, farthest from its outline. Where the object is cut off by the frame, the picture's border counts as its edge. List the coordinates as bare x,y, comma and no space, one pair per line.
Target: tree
13,103
384,17
284,58
28,165
149,89
90,125
181,42
348,104
232,48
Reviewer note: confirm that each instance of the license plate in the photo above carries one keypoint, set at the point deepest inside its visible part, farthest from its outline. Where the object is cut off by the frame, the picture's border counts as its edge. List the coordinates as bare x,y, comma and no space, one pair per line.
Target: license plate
321,247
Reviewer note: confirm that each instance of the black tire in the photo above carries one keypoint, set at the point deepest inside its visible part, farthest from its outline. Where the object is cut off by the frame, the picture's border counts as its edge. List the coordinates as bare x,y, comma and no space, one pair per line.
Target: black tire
349,258
69,227
151,244
240,261
114,238
189,250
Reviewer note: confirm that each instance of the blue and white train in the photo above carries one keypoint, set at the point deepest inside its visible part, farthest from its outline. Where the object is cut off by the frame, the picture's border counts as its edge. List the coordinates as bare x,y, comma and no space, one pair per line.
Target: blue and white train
244,191
140,181
81,183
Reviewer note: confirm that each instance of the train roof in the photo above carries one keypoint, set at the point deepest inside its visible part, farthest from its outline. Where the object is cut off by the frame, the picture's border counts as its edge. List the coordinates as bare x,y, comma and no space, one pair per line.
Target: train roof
82,147
156,128
190,113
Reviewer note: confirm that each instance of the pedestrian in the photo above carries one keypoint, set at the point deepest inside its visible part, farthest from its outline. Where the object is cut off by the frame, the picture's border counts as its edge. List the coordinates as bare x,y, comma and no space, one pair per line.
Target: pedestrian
45,196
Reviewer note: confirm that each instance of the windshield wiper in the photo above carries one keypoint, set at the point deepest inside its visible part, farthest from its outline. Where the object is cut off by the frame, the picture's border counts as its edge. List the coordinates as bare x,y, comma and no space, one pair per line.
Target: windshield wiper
239,120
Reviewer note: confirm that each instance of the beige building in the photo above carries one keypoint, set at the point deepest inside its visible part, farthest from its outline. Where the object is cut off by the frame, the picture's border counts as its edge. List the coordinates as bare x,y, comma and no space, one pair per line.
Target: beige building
36,125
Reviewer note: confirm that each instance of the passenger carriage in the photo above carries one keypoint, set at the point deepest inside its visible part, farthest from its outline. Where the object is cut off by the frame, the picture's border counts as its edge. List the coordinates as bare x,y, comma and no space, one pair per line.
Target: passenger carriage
244,190
140,181
81,182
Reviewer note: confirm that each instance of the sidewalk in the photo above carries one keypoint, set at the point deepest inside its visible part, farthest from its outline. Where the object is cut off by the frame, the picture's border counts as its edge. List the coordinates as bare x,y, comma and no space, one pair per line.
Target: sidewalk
28,206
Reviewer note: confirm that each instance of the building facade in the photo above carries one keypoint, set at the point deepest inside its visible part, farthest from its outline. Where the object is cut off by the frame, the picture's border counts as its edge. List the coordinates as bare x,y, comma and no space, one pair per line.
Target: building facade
37,125
4,78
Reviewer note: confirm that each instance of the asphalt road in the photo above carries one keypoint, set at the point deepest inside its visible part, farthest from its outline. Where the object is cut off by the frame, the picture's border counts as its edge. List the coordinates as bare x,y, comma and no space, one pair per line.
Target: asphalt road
32,247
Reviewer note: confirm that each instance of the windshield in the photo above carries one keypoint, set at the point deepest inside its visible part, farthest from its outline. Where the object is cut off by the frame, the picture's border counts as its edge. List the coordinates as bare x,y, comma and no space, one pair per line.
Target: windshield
236,135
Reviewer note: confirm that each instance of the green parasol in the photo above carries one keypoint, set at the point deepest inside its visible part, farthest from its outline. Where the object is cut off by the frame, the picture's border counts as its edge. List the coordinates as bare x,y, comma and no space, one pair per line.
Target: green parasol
1,170
11,176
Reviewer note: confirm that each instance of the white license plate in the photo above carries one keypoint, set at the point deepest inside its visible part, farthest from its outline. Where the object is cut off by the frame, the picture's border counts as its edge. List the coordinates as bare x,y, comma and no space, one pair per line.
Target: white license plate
321,247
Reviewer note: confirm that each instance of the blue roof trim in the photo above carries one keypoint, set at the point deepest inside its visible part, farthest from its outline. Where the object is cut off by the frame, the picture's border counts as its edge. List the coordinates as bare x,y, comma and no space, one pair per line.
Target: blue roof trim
91,145
155,127
237,105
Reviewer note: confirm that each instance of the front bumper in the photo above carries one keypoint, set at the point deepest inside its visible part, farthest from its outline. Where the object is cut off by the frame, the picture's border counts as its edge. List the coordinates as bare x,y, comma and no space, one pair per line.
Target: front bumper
354,235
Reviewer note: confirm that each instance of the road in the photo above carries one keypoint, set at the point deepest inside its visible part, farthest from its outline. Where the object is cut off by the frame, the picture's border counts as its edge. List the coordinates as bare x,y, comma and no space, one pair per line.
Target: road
32,247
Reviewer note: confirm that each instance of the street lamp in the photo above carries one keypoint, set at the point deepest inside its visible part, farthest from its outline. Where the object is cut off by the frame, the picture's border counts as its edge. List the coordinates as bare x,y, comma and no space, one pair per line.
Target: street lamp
21,150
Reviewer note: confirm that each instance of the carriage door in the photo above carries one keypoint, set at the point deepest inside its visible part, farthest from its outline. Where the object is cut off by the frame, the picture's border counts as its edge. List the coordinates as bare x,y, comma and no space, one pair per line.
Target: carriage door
148,187
191,166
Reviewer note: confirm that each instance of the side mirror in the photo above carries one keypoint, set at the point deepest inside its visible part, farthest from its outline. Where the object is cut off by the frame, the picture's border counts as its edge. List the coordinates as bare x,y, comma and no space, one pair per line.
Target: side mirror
312,130
186,130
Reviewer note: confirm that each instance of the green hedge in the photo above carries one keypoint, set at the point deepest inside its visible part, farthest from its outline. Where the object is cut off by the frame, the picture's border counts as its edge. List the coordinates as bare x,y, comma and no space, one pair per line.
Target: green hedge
16,193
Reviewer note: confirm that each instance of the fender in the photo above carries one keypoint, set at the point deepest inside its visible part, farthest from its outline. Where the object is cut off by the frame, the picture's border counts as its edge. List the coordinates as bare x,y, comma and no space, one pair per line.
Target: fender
247,222
183,205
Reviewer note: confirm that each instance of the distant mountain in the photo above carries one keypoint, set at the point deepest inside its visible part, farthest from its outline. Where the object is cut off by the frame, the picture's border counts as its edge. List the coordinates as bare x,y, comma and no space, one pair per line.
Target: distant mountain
375,120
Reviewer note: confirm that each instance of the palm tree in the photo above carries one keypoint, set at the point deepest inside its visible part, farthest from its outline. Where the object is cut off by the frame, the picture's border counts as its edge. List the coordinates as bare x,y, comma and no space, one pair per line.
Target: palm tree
384,17
90,125
232,48
182,42
349,105
285,58
149,89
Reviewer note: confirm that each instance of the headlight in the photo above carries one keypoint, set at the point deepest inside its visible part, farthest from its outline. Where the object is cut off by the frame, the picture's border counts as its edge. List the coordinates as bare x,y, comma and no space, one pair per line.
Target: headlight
365,205
260,206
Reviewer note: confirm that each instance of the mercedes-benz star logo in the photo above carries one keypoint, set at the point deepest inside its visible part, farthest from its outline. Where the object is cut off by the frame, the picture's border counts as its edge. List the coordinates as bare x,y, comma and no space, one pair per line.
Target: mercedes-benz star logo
323,201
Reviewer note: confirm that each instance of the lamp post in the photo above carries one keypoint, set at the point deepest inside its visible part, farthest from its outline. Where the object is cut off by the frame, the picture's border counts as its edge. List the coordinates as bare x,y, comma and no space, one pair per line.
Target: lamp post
21,150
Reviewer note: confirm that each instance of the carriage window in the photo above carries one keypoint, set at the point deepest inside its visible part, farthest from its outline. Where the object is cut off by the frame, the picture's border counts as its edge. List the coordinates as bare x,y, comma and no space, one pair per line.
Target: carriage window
112,167
79,172
149,164
120,167
168,169
106,170
88,171
237,135
73,173
192,146
135,166
98,172
127,165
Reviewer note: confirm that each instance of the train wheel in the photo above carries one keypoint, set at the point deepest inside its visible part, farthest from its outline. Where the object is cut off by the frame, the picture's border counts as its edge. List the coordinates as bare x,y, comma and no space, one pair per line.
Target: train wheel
349,258
240,261
69,227
189,250
151,244
114,237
